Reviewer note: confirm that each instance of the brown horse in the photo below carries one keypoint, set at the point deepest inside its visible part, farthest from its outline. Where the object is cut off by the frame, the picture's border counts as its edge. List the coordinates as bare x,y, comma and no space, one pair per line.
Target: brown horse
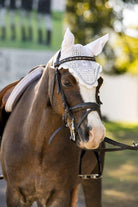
48,173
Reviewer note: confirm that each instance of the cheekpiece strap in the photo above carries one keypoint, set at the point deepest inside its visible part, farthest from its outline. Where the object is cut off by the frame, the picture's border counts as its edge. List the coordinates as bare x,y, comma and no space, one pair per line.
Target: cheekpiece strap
56,64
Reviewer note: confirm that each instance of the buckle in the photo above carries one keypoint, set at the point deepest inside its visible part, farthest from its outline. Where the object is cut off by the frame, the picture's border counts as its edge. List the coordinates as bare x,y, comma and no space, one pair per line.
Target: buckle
90,176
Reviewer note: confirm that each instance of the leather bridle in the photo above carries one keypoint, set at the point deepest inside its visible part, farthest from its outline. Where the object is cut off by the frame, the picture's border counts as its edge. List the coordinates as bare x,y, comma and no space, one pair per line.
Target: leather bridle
69,119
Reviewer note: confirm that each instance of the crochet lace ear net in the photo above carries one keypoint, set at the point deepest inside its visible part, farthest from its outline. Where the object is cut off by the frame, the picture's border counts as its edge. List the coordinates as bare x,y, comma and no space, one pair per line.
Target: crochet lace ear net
86,72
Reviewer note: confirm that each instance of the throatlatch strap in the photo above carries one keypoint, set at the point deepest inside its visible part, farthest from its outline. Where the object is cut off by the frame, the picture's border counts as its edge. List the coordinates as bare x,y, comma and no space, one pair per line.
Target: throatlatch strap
54,134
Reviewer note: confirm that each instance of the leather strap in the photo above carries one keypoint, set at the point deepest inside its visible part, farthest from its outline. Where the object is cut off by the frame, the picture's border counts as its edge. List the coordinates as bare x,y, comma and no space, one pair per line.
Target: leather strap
91,175
55,132
120,146
59,62
88,105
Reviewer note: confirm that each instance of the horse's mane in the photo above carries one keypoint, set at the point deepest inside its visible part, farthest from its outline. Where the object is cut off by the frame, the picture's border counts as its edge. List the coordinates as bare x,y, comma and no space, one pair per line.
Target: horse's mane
4,94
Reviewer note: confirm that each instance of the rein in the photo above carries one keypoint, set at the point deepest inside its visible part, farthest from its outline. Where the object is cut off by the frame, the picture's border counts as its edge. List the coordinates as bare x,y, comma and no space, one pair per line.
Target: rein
119,147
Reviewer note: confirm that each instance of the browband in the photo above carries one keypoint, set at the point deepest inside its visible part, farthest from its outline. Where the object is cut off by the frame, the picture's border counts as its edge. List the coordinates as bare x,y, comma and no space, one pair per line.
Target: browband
59,62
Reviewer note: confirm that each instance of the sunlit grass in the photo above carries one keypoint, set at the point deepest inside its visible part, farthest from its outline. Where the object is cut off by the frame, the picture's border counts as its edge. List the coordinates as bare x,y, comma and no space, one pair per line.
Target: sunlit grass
119,195
120,182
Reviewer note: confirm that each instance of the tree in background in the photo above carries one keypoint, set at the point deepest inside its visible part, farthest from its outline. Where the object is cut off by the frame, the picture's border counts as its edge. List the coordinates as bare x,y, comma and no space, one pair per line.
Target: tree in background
125,42
89,19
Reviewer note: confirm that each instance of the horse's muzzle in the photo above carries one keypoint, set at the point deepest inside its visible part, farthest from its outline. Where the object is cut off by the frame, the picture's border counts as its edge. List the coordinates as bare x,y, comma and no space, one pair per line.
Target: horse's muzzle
93,139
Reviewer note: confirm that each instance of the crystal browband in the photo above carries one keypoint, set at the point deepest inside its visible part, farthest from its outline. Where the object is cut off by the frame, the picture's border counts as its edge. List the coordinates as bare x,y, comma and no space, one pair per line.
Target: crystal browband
59,62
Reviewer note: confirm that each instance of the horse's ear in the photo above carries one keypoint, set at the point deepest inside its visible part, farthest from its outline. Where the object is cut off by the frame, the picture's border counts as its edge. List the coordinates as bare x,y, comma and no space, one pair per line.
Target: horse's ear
97,46
68,41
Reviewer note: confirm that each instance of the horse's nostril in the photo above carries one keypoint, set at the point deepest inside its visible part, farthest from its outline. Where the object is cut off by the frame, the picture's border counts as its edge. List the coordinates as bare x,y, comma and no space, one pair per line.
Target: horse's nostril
90,128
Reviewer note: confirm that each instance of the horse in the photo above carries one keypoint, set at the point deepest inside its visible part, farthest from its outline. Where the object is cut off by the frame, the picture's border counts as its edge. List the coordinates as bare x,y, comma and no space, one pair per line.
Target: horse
39,164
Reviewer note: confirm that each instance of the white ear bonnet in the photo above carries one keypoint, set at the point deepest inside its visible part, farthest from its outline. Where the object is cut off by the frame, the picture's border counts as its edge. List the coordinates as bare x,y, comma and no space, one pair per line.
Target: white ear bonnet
86,72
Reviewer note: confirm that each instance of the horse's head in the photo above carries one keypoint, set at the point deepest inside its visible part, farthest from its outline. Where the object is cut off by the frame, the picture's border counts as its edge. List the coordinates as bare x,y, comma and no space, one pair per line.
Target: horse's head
74,90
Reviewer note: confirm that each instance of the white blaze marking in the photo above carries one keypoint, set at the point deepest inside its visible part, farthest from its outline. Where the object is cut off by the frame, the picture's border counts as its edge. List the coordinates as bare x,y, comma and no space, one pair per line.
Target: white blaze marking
94,121
88,95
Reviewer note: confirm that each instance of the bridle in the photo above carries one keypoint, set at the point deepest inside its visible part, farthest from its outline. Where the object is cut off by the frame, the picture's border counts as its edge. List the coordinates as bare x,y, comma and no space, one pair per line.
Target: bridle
69,119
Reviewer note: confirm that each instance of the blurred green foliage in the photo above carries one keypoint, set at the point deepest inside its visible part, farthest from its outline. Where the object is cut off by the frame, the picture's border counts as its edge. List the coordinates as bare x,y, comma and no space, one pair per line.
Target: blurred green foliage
126,53
90,19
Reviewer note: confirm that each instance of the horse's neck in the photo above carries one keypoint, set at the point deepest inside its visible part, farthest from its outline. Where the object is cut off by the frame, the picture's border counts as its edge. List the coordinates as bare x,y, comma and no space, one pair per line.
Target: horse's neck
42,120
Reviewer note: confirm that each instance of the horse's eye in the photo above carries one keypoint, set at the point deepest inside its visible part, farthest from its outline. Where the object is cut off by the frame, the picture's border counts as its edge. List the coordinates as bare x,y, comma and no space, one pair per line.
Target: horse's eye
66,83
